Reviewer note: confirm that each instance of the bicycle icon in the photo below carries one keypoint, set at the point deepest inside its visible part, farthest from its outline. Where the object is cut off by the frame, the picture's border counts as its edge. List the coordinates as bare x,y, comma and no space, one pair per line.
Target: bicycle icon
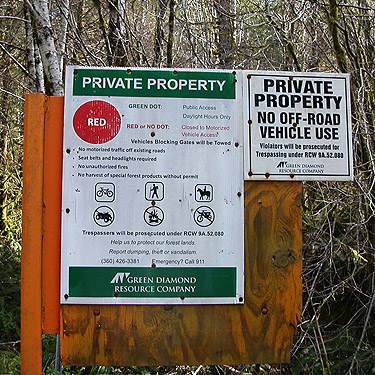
204,216
104,192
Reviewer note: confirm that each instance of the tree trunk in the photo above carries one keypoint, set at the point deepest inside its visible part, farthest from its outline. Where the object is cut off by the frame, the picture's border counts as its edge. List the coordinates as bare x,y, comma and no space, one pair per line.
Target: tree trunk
4,113
103,29
117,35
172,5
51,67
34,61
61,43
337,46
225,33
159,33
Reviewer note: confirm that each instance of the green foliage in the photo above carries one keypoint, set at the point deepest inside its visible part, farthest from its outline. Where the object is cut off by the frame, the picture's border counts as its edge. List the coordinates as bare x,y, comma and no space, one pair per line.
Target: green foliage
9,362
10,248
339,348
9,296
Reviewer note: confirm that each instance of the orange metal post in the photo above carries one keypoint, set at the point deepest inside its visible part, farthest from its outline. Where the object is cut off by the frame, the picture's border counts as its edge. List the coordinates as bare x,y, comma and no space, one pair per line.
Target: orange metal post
52,214
31,263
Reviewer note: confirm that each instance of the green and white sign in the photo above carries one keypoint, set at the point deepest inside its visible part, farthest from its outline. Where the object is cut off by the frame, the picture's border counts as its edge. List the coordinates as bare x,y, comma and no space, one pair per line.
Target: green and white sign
171,282
152,209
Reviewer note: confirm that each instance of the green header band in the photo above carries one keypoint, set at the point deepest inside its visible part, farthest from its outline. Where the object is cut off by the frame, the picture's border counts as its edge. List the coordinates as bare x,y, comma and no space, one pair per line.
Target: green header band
153,83
142,282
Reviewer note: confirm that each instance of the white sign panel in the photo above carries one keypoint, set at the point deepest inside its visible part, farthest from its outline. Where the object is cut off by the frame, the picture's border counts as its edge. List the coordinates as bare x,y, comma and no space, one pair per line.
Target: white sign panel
152,209
299,126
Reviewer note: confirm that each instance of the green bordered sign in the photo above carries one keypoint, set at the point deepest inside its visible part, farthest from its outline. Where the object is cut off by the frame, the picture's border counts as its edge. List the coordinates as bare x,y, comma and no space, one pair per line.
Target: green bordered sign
152,209
137,282
159,84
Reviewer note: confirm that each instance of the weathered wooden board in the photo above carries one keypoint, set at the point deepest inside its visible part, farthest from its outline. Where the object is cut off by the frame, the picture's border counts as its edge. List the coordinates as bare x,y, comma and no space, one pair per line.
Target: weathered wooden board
32,226
53,138
259,331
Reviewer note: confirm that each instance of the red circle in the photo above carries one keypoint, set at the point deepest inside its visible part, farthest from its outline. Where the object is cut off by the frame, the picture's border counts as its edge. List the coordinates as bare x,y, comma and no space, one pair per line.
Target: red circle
97,122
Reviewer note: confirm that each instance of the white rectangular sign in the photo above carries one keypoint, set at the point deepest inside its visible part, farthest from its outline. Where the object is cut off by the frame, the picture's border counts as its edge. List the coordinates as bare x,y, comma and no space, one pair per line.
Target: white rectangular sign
152,208
299,126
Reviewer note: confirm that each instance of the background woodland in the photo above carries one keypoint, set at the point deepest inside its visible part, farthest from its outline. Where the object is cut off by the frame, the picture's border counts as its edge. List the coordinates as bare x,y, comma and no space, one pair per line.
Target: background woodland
39,37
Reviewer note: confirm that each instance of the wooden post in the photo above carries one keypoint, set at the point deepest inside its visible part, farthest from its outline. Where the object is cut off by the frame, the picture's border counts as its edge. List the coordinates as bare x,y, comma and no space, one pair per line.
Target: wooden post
54,119
31,257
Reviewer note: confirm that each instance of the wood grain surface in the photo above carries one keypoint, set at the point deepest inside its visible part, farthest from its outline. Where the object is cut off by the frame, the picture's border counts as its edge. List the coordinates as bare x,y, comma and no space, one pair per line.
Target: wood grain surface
53,130
32,231
259,331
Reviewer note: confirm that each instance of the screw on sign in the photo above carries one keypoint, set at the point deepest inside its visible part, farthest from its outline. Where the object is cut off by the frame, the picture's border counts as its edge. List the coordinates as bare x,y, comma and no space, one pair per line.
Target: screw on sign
97,122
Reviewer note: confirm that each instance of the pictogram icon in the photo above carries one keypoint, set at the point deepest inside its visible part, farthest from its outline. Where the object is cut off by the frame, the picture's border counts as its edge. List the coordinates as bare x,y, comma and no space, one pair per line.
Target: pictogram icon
204,216
204,193
154,191
153,216
105,192
104,216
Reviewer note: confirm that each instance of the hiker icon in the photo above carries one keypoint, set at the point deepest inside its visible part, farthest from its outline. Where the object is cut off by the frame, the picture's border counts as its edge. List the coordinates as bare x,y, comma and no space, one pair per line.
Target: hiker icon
204,193
204,216
104,216
154,191
153,216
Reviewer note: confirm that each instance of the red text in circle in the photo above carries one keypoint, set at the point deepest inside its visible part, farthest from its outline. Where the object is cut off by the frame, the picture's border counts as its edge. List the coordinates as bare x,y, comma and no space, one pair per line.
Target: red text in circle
97,122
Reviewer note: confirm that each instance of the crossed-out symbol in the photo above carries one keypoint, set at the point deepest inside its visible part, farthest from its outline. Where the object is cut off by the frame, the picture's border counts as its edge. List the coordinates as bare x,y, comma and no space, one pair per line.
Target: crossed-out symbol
204,216
104,216
153,216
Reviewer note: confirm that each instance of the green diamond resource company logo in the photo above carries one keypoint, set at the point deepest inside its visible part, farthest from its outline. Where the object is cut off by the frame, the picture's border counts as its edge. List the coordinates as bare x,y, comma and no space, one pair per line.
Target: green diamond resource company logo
119,277
147,282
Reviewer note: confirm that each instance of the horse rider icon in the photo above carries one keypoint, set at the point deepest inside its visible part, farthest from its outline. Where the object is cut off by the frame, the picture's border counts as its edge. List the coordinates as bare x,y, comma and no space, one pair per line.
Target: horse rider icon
203,193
